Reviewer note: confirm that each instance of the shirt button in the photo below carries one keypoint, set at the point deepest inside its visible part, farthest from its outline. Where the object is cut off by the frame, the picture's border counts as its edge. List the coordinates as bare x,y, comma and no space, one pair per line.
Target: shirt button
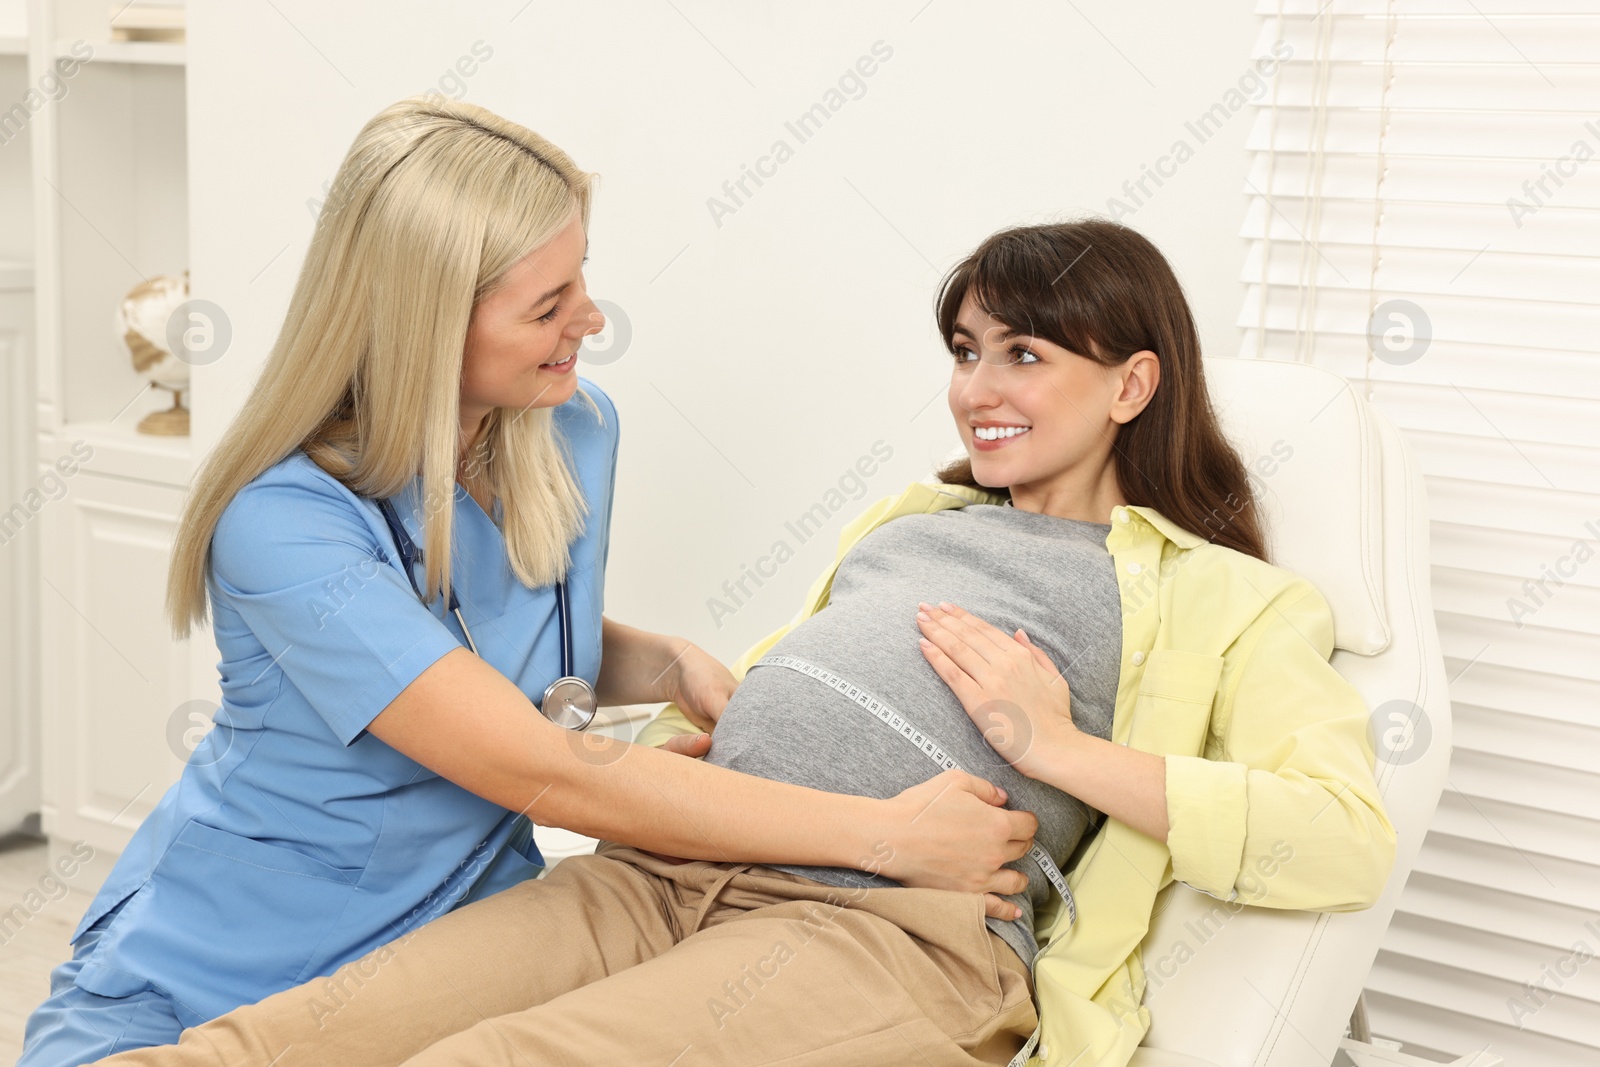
1121,514
1138,657
1134,568
1044,1052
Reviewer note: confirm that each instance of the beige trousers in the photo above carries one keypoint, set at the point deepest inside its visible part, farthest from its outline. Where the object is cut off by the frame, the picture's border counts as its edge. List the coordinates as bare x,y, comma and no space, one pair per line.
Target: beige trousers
626,957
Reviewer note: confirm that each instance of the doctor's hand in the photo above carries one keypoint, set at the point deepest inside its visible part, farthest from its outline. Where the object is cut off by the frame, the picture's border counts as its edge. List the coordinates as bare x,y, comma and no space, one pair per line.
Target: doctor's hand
954,832
1008,686
700,685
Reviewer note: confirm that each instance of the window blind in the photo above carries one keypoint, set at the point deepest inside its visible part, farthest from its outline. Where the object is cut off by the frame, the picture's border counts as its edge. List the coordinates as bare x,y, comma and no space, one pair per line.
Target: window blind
1423,218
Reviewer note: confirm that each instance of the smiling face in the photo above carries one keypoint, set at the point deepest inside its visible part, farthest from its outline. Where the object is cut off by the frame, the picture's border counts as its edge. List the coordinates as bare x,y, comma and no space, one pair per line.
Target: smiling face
1039,419
523,338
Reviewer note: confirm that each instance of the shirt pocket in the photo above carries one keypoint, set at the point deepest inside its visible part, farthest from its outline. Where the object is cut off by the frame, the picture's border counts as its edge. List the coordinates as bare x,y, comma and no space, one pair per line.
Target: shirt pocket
518,860
225,920
1173,708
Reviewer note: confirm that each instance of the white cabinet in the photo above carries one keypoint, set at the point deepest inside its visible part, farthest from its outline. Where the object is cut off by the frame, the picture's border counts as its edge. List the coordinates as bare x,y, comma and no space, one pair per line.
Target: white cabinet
115,679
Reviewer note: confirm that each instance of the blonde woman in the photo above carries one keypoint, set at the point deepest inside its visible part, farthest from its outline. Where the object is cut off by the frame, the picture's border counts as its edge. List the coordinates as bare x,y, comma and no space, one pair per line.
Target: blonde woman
378,756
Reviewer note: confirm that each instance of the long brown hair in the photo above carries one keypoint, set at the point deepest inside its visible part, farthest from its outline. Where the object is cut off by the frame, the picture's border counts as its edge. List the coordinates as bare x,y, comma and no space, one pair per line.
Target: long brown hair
1103,291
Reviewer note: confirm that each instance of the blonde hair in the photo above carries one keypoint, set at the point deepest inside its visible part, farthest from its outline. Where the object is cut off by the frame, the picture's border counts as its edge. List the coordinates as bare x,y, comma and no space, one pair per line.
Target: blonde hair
435,201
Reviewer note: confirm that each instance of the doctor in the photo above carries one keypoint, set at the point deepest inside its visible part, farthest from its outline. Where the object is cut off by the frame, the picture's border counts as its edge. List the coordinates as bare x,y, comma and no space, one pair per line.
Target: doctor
386,537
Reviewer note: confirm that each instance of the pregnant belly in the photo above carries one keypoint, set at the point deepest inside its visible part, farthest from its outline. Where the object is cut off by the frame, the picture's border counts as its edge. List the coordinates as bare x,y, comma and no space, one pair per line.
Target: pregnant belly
789,726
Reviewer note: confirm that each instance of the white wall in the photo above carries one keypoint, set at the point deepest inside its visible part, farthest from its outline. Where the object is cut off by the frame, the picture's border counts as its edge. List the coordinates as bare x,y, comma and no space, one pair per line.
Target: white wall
771,352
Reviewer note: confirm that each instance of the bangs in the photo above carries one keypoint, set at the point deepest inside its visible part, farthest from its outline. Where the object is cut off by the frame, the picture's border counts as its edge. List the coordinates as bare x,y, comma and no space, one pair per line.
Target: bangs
1025,280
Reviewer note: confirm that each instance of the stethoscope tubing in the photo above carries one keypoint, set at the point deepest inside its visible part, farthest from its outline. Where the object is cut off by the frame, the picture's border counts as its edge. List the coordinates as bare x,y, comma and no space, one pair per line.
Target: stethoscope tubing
569,700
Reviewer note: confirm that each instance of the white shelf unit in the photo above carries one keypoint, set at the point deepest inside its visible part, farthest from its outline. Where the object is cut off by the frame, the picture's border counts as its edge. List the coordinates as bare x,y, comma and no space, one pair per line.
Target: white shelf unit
108,184
160,53
19,725
19,720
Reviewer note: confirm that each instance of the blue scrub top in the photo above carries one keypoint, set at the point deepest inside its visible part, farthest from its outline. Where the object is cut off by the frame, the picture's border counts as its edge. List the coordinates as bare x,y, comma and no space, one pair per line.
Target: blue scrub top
294,841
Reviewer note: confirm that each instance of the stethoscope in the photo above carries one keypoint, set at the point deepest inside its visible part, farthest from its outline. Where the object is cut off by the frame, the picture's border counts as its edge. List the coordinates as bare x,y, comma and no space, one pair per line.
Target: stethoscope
569,700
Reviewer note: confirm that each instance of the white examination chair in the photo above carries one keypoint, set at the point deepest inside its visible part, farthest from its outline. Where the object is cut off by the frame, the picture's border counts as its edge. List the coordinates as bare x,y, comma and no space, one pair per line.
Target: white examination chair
1344,507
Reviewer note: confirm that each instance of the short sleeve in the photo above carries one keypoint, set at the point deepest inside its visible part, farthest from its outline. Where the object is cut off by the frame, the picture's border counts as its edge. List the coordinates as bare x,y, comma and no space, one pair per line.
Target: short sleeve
611,431
589,427
300,562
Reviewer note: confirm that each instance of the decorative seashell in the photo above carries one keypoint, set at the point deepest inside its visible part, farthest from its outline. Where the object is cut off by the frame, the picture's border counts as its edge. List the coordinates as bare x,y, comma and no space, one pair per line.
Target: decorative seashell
142,321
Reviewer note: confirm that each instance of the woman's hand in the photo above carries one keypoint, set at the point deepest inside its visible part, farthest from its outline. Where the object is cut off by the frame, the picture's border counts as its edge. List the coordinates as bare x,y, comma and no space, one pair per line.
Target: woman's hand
953,832
701,686
692,745
1008,686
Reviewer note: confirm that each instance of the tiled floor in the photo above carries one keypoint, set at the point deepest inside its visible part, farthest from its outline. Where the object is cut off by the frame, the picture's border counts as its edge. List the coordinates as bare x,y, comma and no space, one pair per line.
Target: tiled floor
38,910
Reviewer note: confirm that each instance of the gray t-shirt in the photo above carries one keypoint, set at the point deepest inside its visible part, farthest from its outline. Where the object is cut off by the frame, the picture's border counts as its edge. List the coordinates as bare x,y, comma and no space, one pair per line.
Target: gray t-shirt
1013,568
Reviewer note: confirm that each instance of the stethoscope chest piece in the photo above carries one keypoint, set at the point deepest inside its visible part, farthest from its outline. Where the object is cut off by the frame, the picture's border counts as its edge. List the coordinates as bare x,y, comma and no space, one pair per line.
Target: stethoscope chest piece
569,702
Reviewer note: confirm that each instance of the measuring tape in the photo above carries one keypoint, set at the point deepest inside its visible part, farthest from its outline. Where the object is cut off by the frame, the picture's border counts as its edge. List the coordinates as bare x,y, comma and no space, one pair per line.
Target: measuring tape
909,730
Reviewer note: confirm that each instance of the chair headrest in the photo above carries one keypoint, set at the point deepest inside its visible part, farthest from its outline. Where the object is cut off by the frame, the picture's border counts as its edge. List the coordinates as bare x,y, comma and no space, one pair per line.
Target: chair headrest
1312,455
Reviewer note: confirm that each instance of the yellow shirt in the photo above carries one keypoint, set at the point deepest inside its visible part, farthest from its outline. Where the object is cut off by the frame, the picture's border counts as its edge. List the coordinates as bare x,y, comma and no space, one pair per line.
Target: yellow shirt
1269,767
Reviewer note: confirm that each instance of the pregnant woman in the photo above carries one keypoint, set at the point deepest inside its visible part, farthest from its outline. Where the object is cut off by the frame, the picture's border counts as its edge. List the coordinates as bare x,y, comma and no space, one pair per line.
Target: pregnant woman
1081,610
